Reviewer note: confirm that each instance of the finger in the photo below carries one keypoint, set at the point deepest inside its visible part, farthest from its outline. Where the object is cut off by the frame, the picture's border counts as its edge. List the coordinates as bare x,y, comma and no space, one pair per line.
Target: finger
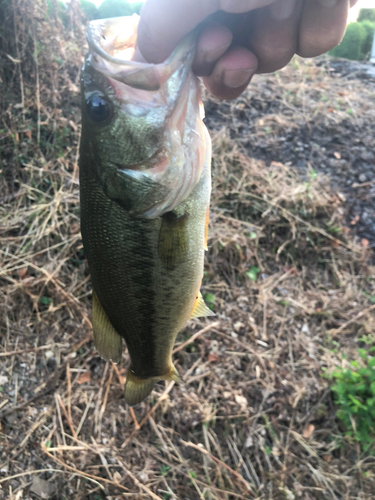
274,34
322,27
232,73
164,23
212,44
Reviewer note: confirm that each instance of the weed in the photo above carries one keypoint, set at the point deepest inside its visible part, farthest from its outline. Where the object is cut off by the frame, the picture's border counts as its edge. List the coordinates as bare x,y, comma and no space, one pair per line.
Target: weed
253,272
354,391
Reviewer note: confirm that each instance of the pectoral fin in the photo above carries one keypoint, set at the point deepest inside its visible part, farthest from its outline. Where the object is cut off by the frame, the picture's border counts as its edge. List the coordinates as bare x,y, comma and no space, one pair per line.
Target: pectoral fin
200,308
107,341
173,240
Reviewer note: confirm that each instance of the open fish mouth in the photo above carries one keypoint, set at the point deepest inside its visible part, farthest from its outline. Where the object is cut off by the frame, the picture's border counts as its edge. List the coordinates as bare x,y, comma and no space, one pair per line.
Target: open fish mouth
112,43
162,100
158,100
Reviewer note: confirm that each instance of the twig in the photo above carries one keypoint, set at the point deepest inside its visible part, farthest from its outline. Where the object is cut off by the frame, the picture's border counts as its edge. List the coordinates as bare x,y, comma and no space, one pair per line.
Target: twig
50,386
196,335
298,219
363,184
85,413
69,383
66,414
136,424
37,88
39,471
205,452
85,474
24,351
150,412
358,316
138,483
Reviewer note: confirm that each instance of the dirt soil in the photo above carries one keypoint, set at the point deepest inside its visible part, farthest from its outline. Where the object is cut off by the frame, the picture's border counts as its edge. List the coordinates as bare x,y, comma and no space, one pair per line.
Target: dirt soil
288,273
316,115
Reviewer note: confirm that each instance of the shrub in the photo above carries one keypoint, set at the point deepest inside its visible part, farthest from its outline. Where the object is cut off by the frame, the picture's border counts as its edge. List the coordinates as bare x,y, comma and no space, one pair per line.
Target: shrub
367,44
117,8
89,9
366,15
354,392
352,43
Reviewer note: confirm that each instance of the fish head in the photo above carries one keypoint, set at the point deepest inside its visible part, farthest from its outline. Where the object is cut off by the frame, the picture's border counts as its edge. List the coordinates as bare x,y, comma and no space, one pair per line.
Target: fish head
142,130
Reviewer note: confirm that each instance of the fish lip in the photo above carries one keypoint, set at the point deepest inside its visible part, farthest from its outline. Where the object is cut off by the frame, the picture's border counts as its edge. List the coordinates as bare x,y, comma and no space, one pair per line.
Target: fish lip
141,75
94,34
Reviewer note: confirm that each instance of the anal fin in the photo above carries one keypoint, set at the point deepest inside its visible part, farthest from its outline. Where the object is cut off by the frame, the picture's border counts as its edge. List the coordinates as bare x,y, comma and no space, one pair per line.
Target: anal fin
200,308
107,341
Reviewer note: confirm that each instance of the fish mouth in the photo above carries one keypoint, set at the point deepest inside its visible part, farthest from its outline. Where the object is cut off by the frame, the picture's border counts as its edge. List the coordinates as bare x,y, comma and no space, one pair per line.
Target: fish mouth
114,39
112,44
150,98
154,164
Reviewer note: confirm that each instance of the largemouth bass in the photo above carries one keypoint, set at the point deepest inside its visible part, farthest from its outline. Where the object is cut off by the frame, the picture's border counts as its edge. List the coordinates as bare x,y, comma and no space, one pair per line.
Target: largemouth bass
145,185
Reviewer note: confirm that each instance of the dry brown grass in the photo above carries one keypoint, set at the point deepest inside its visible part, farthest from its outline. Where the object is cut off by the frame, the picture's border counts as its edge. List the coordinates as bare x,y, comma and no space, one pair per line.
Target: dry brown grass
255,417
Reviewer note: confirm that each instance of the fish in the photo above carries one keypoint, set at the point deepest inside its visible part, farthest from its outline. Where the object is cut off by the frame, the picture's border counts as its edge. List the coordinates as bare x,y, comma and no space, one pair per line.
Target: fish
145,184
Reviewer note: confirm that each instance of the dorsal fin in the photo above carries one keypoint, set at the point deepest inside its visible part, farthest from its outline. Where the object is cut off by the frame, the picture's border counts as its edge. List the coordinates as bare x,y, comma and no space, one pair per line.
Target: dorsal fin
107,341
200,308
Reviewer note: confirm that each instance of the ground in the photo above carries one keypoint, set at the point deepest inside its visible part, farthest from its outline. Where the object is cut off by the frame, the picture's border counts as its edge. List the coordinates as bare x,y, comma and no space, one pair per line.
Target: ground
288,272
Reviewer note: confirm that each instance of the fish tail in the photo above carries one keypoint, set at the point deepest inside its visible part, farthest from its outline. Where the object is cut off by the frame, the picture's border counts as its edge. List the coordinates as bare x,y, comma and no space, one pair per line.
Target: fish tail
137,389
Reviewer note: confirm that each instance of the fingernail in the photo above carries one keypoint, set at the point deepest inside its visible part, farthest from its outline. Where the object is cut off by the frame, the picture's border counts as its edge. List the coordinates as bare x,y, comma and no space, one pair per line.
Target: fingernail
214,54
327,3
282,9
237,78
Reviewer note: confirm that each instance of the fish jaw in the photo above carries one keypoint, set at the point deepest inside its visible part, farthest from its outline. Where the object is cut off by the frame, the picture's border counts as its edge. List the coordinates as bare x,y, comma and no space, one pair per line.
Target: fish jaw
159,103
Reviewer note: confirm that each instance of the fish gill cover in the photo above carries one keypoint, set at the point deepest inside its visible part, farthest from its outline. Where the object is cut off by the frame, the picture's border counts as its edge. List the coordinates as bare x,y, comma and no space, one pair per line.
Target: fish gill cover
294,291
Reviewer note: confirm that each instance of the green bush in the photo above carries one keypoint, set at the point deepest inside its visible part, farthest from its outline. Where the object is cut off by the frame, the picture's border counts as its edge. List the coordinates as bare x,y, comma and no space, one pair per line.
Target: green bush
57,9
354,392
117,8
366,15
352,43
367,44
89,9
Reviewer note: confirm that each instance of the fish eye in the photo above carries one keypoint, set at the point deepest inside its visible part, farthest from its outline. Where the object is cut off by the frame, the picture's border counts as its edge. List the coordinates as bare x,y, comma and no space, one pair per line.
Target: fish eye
98,108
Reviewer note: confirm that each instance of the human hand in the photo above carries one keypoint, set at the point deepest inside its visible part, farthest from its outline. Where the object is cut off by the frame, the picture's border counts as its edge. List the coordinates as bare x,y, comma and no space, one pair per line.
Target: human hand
241,37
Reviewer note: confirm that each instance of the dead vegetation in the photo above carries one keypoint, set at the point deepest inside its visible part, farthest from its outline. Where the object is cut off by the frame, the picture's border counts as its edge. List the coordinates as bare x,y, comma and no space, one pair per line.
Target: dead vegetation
290,286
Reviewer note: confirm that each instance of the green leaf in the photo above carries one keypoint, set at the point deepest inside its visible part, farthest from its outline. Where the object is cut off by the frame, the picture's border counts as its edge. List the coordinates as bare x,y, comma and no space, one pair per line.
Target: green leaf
252,273
45,300
209,298
164,469
362,353
370,297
